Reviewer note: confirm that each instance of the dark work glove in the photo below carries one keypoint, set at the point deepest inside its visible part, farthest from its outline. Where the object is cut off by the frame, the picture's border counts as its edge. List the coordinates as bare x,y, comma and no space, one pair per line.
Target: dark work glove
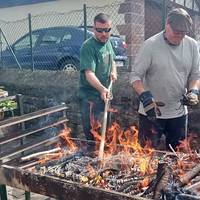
149,105
191,98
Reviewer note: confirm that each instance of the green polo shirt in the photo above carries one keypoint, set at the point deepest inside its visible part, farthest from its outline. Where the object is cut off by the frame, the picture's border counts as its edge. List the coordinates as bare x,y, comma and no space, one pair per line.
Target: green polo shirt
97,57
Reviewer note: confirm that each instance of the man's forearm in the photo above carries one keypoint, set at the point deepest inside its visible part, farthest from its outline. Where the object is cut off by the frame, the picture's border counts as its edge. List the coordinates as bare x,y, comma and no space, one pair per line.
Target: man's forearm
194,84
94,81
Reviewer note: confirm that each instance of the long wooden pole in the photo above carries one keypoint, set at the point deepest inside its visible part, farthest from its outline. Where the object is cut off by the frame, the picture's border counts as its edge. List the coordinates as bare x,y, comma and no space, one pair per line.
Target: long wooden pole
104,125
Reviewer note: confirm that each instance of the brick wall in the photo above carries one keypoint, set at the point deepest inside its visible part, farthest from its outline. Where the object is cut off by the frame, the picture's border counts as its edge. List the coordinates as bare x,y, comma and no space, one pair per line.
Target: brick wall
134,26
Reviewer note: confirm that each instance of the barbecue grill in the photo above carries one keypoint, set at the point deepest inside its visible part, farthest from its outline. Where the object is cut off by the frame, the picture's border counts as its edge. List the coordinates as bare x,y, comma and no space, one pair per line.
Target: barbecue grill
14,174
18,168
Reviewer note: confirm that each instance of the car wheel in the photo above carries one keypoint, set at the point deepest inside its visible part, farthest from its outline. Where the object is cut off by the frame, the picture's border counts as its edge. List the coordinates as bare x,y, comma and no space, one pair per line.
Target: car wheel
68,66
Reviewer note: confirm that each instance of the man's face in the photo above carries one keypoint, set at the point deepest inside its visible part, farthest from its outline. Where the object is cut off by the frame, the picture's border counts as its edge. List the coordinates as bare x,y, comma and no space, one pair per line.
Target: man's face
174,36
102,31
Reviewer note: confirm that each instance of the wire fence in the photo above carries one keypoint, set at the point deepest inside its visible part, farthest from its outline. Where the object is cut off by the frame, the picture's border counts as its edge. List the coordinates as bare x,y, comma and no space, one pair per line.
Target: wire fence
52,41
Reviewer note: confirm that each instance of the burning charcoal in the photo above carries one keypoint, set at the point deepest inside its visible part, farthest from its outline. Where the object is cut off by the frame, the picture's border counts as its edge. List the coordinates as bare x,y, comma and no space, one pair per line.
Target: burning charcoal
43,170
178,193
68,174
127,187
136,191
122,181
96,180
84,179
107,171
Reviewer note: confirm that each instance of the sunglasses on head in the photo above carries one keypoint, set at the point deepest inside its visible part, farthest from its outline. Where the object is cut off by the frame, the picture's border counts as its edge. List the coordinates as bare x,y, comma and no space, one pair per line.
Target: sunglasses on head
101,30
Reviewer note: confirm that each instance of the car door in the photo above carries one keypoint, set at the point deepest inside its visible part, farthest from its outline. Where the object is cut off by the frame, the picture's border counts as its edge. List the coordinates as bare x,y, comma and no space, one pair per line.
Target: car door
46,52
22,51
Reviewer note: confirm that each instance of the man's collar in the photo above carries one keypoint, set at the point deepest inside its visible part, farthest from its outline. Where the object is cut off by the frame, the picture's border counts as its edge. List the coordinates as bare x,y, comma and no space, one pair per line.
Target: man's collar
167,41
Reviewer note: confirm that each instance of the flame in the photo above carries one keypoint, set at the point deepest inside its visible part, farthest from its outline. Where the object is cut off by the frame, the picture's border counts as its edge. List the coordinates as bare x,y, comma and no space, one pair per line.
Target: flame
145,182
185,145
51,156
65,134
125,143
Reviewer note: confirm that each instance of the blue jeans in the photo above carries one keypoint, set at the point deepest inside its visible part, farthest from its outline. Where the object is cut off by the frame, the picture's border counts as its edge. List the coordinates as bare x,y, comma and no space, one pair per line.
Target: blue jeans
90,109
174,129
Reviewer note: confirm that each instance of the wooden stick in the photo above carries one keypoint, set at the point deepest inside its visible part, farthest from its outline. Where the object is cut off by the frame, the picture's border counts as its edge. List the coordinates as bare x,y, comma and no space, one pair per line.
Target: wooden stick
104,126
29,165
194,188
38,154
189,175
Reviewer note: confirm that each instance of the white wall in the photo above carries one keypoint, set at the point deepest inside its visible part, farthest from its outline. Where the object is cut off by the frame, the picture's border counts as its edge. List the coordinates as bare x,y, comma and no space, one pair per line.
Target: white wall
20,12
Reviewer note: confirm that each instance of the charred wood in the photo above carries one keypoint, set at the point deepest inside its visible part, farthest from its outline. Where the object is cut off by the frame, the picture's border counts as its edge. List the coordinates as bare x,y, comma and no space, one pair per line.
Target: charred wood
194,188
163,179
187,197
38,154
189,175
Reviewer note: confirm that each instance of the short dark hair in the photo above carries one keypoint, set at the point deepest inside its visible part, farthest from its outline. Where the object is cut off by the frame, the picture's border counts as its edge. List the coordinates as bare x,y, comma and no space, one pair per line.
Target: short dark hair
179,19
102,18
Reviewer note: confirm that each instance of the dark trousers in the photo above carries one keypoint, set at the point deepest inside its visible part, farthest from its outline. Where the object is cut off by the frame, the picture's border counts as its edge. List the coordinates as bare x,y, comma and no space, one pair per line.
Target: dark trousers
90,112
174,129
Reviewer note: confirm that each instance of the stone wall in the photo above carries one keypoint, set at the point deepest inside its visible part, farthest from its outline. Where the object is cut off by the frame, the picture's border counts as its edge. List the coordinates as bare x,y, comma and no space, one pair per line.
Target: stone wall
43,89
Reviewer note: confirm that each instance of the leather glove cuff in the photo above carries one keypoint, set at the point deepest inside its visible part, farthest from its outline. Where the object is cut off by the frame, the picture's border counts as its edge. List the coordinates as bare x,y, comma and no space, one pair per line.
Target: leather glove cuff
148,103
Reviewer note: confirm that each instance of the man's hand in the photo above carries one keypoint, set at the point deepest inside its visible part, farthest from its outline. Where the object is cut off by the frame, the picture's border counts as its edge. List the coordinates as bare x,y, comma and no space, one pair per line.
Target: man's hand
149,105
191,98
105,94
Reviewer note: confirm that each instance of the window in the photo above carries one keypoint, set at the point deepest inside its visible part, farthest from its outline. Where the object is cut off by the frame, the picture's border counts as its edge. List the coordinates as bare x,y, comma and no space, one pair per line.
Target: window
24,43
51,37
67,36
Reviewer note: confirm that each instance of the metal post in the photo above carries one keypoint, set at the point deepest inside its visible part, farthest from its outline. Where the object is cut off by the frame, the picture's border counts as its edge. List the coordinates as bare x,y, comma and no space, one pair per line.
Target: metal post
21,112
164,13
85,21
11,50
31,42
21,108
192,4
1,62
3,192
27,195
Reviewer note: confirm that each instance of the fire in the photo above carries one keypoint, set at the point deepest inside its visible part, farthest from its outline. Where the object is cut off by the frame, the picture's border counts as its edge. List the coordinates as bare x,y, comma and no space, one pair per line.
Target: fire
145,182
124,144
125,161
50,156
185,148
65,134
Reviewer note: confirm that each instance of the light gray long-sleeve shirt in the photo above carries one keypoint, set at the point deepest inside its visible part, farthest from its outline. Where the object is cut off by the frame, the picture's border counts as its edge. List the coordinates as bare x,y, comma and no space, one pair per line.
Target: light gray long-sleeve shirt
165,70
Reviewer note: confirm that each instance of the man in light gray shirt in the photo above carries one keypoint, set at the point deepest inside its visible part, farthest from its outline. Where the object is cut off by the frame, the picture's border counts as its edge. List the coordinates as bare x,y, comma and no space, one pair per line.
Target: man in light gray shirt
167,70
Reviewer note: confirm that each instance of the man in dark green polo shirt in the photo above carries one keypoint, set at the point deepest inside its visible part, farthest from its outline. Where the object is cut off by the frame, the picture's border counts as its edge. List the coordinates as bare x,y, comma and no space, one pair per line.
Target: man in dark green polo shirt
97,69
